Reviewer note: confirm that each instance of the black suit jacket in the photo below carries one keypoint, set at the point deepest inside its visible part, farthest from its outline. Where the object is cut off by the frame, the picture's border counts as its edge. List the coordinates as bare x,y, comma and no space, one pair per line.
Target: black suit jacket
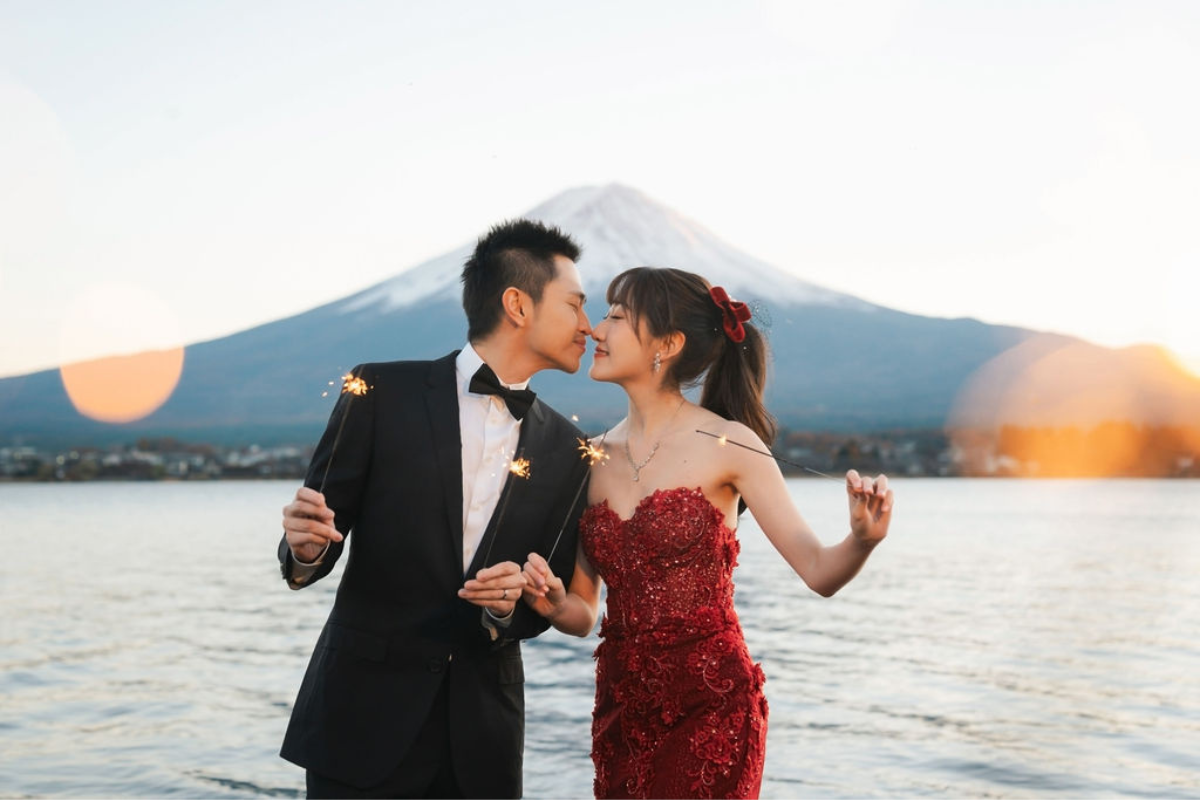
397,629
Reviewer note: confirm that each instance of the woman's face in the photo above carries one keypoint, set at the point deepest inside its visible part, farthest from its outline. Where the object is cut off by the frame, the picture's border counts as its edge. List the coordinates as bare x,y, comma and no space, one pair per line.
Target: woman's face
619,355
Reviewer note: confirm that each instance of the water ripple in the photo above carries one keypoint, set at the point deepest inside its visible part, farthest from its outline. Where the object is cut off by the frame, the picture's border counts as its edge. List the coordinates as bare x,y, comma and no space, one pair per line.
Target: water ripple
1013,639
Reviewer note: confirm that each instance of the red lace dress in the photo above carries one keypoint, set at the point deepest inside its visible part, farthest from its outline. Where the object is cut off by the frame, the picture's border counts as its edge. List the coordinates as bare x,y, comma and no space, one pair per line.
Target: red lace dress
679,709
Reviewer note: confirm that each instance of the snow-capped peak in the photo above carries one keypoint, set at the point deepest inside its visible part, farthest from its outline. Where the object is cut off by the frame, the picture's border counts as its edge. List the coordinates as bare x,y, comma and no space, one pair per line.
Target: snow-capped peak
618,227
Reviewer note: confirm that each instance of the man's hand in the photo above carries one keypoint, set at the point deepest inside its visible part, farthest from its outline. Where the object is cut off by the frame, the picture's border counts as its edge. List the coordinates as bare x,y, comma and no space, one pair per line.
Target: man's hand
544,591
308,525
871,504
497,588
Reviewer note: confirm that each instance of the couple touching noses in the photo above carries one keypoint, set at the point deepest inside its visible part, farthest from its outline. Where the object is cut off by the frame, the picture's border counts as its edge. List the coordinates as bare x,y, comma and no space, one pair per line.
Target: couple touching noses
415,687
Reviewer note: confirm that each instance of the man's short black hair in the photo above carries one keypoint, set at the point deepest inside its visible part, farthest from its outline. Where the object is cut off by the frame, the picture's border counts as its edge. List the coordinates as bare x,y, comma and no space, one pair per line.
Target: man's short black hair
518,253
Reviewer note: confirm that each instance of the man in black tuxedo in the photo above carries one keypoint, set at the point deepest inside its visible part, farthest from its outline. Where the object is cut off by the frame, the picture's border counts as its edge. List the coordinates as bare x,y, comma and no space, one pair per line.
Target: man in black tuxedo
416,685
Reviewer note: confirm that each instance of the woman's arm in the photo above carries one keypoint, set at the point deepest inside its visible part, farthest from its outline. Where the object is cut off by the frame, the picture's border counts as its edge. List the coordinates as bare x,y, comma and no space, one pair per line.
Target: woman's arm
825,569
572,610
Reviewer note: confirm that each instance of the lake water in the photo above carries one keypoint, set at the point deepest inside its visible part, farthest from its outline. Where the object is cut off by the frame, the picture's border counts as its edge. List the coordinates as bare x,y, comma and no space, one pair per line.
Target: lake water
1010,639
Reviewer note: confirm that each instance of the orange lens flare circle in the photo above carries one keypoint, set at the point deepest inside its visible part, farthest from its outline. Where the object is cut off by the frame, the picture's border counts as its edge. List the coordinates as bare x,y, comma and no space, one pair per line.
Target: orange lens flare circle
123,388
1056,407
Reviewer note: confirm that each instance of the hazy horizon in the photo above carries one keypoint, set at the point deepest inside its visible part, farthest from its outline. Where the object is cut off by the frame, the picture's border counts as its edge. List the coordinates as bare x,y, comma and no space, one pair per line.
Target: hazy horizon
213,167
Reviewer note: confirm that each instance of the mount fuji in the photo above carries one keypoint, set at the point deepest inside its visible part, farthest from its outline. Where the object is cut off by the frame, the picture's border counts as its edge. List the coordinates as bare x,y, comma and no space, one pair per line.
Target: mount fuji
829,370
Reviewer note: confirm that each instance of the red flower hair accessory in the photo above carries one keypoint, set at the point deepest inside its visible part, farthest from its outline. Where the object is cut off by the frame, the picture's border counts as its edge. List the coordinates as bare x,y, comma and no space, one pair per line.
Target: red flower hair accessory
734,312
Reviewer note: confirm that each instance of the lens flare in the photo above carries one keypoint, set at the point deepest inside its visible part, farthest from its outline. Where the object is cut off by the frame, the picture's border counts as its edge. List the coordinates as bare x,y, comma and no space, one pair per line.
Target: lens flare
120,344
1058,407
123,388
1188,362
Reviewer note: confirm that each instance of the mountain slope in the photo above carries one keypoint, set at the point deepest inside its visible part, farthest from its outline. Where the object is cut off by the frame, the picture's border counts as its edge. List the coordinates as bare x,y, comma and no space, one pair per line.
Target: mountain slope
838,362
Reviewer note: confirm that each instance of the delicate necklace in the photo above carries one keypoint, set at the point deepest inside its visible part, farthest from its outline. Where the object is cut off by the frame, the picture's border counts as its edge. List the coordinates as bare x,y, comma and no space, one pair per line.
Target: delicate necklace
637,468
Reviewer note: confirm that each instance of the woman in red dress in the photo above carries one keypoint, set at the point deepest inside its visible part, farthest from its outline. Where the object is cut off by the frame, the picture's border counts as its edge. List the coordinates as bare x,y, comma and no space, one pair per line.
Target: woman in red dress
680,710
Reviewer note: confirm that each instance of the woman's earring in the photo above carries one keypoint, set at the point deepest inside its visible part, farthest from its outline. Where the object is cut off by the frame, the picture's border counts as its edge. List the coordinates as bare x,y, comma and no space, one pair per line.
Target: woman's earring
657,361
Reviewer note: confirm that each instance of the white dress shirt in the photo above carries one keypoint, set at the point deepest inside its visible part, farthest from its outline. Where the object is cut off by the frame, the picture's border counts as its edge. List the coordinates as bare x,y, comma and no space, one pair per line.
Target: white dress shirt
489,444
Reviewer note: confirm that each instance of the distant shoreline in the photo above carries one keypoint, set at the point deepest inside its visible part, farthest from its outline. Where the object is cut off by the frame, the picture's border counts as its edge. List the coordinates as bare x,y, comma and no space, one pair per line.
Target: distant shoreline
1107,450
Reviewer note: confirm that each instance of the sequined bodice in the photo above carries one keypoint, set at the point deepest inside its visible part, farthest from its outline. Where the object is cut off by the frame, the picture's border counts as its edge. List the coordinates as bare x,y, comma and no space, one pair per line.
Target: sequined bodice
669,567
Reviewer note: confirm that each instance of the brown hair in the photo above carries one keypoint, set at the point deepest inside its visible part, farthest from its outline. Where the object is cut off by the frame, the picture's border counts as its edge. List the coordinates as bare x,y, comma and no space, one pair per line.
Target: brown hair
734,374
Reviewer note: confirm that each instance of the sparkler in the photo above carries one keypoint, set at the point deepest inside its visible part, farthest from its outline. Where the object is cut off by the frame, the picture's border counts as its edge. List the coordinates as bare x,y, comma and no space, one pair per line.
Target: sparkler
352,385
593,454
520,468
723,440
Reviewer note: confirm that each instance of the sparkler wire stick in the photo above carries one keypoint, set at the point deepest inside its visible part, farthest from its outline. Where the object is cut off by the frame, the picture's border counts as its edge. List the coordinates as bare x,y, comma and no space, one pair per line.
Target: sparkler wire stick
519,467
594,455
724,440
353,385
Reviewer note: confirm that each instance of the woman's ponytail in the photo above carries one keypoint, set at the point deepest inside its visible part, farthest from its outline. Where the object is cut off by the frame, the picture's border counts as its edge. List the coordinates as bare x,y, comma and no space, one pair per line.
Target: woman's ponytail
734,384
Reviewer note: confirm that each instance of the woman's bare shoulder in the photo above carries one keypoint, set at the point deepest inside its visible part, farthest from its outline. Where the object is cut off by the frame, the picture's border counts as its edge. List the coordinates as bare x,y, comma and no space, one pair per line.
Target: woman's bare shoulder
731,430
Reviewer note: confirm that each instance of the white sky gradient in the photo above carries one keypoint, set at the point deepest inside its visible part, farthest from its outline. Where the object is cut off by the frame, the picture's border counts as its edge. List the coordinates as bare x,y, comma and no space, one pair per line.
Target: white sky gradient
199,168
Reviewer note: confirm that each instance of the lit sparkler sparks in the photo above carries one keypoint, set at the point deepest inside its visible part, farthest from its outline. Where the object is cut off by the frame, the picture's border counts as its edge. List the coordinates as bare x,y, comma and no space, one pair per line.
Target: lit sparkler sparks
354,385
594,454
519,467
351,384
357,387
723,440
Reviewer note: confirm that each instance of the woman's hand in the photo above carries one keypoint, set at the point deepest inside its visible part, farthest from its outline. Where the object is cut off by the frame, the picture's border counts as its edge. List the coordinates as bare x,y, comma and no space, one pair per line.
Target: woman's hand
544,591
871,503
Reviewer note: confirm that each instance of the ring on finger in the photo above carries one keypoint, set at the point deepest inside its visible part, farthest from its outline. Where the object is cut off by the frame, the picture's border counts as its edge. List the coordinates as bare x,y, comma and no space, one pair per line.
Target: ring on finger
505,595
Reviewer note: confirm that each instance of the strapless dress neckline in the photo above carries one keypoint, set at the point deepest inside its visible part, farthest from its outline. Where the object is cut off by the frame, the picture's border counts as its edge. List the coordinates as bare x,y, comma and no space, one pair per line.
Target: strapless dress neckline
647,501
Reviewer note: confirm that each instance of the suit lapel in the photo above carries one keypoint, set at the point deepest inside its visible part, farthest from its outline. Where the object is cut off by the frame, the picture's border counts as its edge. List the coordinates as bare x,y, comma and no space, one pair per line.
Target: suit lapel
442,403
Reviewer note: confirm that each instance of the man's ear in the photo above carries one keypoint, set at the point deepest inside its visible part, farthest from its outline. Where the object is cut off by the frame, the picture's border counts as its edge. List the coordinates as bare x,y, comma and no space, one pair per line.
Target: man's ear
516,305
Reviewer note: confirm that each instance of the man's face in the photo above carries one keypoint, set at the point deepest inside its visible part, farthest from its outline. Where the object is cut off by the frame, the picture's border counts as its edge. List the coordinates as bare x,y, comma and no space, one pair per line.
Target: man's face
559,332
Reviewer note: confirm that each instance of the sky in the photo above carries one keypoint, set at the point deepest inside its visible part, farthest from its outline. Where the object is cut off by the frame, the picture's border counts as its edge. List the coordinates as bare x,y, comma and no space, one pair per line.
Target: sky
175,172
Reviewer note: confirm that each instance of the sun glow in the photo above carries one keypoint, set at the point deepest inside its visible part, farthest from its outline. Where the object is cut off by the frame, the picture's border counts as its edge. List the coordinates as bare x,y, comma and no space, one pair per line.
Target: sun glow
1053,407
1188,362
120,345
123,388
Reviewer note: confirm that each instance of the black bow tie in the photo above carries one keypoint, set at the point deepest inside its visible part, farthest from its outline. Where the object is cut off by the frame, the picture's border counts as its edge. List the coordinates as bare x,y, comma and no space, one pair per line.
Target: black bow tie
484,381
